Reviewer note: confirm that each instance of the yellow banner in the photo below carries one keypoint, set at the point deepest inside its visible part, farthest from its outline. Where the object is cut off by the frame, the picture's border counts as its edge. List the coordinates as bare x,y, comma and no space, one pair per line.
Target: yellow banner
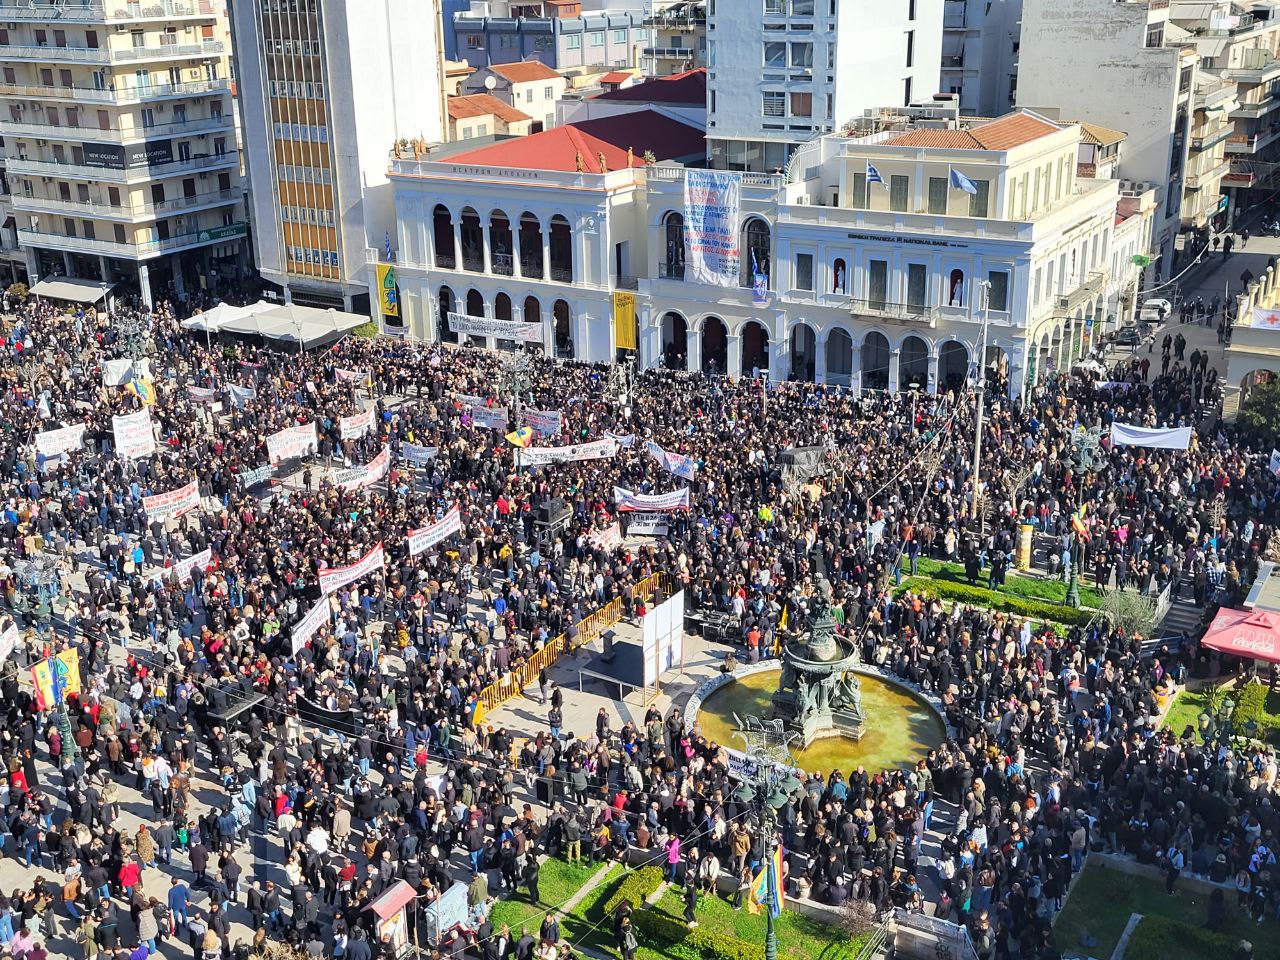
388,296
56,679
624,321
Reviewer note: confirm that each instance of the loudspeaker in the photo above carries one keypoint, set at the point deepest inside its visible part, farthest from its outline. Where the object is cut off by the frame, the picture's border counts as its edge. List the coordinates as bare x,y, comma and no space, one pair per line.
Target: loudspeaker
551,510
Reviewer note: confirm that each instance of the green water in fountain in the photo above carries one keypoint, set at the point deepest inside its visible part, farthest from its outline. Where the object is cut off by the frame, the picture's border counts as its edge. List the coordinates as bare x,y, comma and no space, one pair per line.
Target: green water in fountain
901,728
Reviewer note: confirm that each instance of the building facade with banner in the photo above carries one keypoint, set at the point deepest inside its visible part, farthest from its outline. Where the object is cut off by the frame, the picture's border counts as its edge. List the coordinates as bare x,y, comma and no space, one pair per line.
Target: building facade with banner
819,274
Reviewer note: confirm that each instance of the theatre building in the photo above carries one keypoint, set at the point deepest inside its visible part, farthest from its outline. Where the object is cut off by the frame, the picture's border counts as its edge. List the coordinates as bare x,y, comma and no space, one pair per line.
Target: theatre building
883,258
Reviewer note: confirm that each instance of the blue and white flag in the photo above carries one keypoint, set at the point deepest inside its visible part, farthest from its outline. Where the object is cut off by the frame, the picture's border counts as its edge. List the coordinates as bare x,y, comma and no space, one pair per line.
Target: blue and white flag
241,395
683,467
386,245
960,182
625,440
873,175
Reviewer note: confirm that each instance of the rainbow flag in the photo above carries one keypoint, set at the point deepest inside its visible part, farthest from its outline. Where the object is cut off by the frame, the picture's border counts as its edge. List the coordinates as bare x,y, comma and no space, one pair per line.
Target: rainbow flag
760,886
143,389
56,679
521,437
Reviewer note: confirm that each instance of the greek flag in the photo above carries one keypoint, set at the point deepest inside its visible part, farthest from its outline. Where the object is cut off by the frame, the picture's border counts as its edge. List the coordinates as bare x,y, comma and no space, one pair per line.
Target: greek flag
960,182
386,245
873,175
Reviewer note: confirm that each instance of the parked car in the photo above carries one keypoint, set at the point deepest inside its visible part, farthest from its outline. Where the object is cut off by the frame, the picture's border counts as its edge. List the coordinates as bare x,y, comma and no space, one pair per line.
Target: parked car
1127,337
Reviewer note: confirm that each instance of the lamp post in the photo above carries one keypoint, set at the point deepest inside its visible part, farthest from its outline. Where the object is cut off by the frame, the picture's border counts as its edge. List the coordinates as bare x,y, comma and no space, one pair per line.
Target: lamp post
1085,445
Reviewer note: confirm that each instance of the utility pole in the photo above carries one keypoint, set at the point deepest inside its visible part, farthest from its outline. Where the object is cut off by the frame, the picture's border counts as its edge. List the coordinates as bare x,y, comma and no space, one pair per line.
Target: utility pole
515,381
768,784
983,290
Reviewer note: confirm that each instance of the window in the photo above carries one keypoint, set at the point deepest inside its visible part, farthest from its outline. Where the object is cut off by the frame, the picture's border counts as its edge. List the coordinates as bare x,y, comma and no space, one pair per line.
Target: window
858,198
802,55
911,48
1155,35
804,271
774,104
938,195
898,193
906,92
475,41
917,285
978,201
802,104
1035,294
573,41
597,38
802,8
775,54
998,293
878,282
775,7
620,36
548,93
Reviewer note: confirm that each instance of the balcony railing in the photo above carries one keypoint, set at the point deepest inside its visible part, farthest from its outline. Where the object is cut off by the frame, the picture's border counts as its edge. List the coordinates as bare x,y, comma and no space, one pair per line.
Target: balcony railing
169,51
54,54
671,271
675,53
562,274
901,312
503,264
474,264
446,261
952,62
77,12
134,94
1206,178
51,168
137,211
136,251
54,131
623,282
531,269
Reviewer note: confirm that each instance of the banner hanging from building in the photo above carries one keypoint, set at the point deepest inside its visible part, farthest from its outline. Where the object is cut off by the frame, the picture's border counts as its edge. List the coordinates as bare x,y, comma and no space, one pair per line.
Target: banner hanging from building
335,578
1265,319
624,321
54,443
630,502
175,503
388,295
357,478
427,537
465,326
134,436
711,201
595,450
292,442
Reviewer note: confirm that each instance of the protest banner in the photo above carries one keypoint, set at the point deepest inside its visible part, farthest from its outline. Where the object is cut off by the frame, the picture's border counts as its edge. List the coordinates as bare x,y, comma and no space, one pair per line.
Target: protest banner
134,436
356,425
335,578
175,503
306,628
546,422
54,443
651,502
181,571
417,455
427,537
292,442
357,478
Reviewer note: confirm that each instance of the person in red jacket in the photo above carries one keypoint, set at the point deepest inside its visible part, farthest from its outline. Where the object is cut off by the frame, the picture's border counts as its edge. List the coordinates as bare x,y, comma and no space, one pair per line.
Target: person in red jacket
129,876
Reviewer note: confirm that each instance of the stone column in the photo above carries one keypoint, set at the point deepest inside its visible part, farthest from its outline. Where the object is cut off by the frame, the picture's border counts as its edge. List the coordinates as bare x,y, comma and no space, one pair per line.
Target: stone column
693,349
893,371
733,356
144,284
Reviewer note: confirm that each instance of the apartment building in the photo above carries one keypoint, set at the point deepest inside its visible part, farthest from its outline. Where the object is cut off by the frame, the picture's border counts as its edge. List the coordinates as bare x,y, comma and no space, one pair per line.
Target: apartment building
560,35
120,143
326,86
679,38
530,86
1125,64
783,71
980,42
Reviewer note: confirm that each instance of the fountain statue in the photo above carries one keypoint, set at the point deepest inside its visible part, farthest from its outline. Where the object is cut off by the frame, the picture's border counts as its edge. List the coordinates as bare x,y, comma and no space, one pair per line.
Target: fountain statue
818,693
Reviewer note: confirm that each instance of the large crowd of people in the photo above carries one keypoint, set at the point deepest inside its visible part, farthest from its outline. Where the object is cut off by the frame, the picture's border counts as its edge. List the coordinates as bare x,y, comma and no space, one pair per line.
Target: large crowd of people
1054,749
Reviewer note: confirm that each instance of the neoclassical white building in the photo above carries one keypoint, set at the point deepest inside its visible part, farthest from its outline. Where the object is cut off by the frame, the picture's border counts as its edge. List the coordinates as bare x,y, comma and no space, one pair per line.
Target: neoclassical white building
871,286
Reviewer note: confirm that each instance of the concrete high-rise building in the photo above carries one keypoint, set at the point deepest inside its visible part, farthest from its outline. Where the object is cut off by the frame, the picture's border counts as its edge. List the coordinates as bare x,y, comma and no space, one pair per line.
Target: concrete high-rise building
781,72
327,87
980,54
120,141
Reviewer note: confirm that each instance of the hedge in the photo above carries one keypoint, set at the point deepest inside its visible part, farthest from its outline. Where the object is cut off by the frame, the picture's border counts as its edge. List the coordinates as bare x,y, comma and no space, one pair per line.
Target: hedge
994,600
670,934
634,889
1252,705
1160,938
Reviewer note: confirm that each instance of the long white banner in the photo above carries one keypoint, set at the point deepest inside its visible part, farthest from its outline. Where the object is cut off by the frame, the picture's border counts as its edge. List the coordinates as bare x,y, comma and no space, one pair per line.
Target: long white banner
647,525
1165,438
367,475
629,501
417,455
711,200
172,504
306,627
595,450
356,425
134,437
292,442
54,443
181,570
335,578
425,538
257,475
463,325
9,637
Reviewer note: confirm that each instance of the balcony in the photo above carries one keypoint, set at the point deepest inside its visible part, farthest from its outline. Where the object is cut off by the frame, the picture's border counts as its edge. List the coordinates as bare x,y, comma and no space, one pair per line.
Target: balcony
1200,144
562,274
124,95
671,271
953,63
623,282
1246,145
1090,287
76,12
168,51
133,251
446,261
898,312
126,212
1214,95
50,131
43,53
1207,178
1248,109
670,53
1257,66
141,174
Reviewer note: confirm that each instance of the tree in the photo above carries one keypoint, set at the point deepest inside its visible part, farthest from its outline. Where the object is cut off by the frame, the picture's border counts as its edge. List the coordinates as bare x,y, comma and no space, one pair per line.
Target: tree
1260,412
1130,610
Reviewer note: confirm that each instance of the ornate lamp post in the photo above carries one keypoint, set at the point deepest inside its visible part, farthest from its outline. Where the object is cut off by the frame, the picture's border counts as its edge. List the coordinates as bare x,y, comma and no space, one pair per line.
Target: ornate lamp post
1085,457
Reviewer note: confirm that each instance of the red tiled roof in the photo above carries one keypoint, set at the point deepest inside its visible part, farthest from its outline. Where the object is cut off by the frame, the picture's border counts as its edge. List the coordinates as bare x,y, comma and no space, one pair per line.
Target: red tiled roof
1008,132
524,71
616,76
559,147
689,87
484,104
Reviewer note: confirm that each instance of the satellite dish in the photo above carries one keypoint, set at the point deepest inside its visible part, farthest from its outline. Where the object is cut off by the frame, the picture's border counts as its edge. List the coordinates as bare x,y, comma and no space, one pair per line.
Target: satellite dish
490,82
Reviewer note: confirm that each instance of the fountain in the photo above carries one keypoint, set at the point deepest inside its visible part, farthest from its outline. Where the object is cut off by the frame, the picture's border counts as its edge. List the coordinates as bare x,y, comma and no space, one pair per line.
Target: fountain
819,694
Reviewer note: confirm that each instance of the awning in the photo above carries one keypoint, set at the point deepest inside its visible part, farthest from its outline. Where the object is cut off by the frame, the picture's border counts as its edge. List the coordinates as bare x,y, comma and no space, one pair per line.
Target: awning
73,289
216,318
293,323
393,901
1254,634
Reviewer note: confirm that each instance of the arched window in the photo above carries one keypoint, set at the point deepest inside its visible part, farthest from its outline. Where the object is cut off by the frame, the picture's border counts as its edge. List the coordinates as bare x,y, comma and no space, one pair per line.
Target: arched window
442,233
673,262
839,276
442,320
757,252
955,288
531,265
472,235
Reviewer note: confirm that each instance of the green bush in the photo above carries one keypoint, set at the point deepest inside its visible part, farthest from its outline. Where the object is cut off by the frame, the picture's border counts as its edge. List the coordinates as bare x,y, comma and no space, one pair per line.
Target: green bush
635,889
18,291
367,330
994,600
668,933
1254,703
1160,938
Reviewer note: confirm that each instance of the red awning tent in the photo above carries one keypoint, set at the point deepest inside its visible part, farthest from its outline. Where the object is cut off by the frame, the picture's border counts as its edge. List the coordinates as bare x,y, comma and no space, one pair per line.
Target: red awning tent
1245,633
392,901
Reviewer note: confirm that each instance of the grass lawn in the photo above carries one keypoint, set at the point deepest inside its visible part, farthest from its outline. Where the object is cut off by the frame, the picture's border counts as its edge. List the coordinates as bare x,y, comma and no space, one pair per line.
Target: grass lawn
1102,900
1186,710
557,882
1050,590
587,925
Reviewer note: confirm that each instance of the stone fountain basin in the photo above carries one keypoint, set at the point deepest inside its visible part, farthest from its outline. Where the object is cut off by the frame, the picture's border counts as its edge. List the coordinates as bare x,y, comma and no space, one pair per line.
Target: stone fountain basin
823,667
